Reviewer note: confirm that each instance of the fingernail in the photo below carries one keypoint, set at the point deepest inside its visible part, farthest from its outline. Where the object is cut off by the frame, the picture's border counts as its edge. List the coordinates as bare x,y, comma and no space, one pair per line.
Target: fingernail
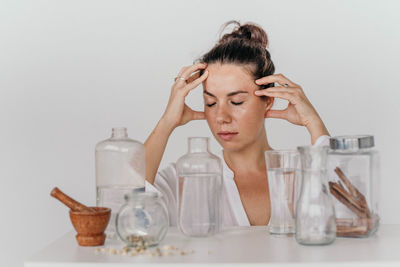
257,81
258,92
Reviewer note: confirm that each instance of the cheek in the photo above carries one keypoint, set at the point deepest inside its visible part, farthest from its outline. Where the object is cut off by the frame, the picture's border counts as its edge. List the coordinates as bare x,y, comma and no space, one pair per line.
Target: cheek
250,118
209,117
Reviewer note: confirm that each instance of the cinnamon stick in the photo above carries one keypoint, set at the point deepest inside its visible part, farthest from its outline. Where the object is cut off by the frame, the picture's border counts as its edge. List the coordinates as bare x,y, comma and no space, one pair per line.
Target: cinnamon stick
356,202
356,195
341,195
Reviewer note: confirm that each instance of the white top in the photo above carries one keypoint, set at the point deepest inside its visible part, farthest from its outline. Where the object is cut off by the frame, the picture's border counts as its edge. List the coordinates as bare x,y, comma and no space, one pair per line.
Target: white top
233,212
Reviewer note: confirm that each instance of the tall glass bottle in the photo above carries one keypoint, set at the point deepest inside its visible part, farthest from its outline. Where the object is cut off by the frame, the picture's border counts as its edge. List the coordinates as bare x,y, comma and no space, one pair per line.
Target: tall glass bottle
199,190
315,214
120,169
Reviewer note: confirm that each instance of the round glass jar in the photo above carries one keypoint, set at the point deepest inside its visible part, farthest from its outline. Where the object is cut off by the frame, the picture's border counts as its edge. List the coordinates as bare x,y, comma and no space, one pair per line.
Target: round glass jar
142,220
353,174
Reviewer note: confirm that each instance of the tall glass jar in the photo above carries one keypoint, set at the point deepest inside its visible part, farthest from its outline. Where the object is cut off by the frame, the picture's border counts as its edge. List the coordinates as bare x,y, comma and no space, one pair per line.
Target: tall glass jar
315,214
120,168
142,220
353,169
199,190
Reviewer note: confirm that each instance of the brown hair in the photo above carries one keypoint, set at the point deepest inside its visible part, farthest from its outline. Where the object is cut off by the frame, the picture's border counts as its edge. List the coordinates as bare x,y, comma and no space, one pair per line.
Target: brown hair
245,45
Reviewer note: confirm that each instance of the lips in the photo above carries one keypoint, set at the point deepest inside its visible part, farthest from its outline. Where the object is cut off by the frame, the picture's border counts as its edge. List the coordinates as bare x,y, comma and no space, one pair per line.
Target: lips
227,136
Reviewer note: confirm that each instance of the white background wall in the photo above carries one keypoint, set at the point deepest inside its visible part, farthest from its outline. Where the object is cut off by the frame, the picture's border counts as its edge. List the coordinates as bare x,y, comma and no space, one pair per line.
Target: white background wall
72,70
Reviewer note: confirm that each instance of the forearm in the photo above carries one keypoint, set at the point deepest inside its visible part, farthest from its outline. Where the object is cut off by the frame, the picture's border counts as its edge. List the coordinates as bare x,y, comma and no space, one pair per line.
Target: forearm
316,129
155,147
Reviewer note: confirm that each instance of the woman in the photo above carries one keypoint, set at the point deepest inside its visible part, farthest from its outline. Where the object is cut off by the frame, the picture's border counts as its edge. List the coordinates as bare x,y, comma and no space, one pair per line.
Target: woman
238,81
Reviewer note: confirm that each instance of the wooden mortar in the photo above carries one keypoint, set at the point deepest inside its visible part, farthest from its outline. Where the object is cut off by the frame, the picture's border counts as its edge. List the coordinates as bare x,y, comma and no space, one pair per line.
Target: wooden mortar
89,222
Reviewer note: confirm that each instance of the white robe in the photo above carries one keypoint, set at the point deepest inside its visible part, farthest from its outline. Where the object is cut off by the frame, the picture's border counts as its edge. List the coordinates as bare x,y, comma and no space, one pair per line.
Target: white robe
233,212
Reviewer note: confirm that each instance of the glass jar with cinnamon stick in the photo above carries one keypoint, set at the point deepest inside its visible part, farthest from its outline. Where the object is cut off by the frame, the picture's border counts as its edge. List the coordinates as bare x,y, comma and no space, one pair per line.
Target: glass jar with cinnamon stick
353,174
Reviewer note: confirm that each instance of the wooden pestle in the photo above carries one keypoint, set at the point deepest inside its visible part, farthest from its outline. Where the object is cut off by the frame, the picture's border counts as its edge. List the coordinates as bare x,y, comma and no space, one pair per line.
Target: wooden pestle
71,203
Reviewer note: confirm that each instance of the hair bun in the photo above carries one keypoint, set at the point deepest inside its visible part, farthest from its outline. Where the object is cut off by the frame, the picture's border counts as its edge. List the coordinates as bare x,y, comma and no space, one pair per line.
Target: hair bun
249,31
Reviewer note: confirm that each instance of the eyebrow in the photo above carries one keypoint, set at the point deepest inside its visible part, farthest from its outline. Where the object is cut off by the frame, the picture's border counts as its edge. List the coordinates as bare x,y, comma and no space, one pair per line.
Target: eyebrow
230,94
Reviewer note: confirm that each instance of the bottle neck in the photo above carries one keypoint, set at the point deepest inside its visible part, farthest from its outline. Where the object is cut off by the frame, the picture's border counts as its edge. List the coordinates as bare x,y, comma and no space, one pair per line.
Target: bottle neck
198,144
118,133
313,158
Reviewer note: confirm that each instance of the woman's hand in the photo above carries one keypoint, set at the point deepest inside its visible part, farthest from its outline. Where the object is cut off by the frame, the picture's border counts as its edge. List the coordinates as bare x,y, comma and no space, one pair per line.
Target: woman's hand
177,112
299,111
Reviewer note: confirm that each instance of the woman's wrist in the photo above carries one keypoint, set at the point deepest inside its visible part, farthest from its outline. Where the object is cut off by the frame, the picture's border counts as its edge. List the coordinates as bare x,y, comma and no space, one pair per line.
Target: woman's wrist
316,129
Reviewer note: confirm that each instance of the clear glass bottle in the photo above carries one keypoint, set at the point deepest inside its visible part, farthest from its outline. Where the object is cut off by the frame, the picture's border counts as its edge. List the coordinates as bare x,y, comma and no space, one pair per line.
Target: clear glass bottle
315,214
120,168
353,173
199,190
142,220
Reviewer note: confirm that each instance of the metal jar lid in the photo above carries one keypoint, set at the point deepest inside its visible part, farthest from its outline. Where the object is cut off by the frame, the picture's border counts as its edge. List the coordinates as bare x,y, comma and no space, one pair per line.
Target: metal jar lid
352,142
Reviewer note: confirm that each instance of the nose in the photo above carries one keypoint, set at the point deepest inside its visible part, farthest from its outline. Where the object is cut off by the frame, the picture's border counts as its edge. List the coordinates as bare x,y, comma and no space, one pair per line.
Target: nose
223,115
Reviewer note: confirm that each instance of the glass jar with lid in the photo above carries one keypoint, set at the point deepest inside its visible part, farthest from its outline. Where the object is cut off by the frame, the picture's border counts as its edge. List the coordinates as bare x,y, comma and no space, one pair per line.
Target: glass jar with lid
142,220
353,171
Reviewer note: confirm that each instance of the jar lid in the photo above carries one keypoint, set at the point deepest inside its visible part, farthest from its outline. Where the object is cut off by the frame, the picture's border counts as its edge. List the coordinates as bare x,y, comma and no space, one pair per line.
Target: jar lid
349,142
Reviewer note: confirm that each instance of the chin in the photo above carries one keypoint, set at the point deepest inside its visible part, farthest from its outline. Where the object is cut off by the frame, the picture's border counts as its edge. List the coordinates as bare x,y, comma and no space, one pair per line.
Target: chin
230,145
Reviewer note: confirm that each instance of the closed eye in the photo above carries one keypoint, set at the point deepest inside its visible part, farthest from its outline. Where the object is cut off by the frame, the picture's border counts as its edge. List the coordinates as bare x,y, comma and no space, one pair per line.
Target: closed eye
237,103
212,104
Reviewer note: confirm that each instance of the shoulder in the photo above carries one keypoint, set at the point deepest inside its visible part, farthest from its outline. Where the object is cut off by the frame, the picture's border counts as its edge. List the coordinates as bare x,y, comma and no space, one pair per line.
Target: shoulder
168,174
168,171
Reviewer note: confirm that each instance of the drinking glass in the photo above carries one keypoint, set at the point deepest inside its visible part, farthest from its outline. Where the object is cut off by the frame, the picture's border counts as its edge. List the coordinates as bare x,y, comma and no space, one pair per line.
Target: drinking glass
284,183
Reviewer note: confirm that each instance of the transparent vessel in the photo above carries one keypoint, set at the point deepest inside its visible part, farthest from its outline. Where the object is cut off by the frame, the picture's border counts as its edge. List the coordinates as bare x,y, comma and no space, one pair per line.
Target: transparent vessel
284,181
199,190
353,171
142,220
120,168
315,214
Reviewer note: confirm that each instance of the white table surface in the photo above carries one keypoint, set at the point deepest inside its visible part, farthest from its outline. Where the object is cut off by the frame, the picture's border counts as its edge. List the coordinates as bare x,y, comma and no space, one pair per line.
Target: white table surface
239,245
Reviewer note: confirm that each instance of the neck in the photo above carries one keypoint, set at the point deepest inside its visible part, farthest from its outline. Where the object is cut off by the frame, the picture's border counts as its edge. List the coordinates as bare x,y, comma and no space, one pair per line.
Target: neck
249,159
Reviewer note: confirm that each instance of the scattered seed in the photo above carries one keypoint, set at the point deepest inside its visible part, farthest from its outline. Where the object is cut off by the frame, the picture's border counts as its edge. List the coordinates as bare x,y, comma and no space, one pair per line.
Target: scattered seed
150,253
144,250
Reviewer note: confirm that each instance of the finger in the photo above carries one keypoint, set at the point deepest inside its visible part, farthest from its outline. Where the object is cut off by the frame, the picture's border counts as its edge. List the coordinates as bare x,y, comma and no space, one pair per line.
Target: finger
276,114
276,89
186,72
198,81
275,78
193,77
282,95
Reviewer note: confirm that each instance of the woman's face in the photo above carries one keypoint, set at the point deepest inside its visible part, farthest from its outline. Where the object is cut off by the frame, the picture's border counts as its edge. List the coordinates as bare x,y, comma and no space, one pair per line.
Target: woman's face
234,114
